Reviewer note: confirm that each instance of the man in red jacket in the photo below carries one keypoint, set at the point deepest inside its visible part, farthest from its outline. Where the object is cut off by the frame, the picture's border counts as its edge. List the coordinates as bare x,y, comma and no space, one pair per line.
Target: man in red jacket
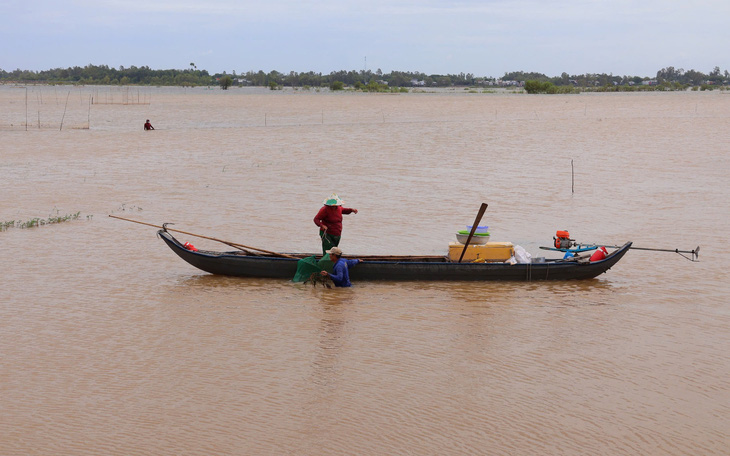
329,221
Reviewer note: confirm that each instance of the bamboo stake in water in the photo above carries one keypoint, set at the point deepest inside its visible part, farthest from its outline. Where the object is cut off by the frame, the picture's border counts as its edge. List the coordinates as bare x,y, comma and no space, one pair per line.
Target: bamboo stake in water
64,110
572,176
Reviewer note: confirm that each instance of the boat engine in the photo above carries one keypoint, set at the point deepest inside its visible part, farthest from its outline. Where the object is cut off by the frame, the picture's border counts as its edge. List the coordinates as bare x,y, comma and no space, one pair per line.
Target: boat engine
562,240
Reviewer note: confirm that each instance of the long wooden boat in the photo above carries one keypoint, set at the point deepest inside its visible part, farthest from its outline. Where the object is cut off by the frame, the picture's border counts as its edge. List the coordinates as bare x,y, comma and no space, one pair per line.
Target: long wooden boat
403,268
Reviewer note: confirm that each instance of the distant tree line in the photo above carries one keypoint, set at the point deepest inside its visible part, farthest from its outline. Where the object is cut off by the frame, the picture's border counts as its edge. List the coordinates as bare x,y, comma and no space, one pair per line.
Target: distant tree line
667,78
104,75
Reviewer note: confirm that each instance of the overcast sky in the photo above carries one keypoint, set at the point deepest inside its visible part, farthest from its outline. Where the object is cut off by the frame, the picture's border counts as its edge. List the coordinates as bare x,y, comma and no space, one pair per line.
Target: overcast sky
482,37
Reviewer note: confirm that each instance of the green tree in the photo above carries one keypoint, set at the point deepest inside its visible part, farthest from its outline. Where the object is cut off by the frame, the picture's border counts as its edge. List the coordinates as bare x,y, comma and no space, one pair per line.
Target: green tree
533,86
374,86
225,82
337,85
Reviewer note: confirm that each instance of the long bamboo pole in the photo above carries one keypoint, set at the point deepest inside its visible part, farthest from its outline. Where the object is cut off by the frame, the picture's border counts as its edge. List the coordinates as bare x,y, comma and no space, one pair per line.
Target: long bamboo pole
695,253
232,244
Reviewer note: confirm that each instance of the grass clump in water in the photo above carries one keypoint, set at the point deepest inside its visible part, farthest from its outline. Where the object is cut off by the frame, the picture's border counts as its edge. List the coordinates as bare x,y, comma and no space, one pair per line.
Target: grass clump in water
37,221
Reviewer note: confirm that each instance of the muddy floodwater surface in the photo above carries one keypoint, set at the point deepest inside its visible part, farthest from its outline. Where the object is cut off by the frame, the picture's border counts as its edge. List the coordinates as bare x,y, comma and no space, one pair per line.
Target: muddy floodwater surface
110,344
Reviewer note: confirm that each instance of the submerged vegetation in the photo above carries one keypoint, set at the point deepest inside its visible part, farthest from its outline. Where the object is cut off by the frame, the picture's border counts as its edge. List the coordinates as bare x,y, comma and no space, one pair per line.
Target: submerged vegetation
36,222
547,87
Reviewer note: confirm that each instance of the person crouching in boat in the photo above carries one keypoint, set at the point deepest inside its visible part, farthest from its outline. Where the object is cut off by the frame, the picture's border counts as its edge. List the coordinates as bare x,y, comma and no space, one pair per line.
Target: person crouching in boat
329,221
340,274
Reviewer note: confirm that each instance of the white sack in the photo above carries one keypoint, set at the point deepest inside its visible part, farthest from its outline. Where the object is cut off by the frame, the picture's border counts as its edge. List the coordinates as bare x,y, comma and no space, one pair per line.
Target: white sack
522,255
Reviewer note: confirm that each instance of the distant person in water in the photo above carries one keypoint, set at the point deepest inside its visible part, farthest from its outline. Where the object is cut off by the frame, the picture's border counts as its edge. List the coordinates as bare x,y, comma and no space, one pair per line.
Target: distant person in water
329,221
148,125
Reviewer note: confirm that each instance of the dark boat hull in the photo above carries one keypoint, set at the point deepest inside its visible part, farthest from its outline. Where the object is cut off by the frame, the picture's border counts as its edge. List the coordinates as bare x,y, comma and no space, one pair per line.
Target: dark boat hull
276,267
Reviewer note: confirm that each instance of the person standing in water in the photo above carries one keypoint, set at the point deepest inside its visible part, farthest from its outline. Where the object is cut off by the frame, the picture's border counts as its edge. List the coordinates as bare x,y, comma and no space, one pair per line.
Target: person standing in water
329,221
148,125
340,274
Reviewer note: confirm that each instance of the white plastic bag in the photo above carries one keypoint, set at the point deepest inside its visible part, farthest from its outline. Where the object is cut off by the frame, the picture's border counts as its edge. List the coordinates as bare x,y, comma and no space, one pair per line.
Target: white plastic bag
522,255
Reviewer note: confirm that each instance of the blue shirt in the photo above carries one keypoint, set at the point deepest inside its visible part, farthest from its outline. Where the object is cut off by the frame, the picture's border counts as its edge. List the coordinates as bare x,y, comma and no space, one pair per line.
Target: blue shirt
340,274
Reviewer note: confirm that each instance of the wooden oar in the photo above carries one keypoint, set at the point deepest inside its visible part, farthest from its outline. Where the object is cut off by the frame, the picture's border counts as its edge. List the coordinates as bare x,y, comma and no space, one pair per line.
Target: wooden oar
482,208
232,244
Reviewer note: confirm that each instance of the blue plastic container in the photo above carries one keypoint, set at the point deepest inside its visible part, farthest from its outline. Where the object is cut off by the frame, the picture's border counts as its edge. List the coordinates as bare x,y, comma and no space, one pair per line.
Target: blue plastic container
480,229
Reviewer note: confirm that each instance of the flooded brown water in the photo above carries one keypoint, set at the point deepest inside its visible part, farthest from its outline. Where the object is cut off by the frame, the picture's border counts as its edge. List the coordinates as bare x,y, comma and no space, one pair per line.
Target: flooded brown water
110,344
